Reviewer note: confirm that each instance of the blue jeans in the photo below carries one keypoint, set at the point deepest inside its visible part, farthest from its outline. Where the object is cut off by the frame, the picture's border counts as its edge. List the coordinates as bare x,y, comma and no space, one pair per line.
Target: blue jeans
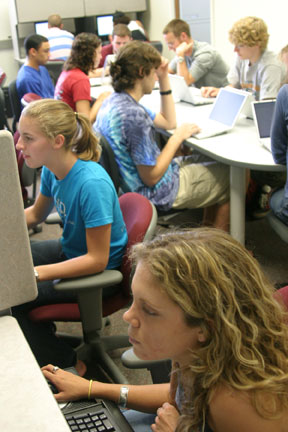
46,346
279,205
140,422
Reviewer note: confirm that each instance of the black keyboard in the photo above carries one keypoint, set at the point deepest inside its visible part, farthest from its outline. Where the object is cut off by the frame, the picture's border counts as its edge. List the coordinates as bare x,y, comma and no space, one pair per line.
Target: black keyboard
96,415
89,422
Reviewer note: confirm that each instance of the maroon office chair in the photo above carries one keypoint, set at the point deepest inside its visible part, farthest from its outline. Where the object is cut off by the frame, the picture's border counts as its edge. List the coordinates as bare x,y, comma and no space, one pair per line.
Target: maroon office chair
29,97
140,217
3,77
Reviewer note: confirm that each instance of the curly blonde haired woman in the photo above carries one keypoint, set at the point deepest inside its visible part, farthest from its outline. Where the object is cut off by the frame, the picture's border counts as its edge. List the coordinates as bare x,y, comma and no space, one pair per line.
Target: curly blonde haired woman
202,300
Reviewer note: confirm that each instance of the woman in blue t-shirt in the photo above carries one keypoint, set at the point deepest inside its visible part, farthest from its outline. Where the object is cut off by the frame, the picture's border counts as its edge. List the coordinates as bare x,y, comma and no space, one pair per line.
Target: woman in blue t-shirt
94,235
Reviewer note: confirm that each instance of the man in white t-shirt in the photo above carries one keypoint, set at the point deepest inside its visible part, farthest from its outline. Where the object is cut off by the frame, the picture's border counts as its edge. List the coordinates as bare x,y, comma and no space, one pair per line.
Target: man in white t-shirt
60,40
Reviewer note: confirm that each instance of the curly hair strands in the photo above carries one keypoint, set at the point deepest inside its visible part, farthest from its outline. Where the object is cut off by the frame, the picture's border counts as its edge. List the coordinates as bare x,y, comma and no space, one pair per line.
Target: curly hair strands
83,52
249,31
134,60
220,287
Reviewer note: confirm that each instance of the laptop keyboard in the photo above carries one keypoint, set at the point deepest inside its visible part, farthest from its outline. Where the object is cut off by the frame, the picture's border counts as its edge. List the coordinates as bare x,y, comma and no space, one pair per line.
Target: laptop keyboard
89,422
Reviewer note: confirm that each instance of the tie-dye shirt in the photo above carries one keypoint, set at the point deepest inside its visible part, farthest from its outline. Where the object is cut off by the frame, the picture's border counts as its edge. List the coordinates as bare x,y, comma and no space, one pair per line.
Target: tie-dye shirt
128,127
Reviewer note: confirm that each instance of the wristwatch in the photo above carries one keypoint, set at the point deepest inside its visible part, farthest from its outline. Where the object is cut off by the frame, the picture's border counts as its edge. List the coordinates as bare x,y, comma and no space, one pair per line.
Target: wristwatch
180,59
36,274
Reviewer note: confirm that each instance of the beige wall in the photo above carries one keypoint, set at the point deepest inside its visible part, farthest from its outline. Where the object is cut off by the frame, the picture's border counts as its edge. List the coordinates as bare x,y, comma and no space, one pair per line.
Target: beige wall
223,14
159,13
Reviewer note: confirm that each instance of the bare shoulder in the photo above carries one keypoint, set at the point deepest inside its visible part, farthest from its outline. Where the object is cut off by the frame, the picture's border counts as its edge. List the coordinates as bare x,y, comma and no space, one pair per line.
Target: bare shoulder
232,411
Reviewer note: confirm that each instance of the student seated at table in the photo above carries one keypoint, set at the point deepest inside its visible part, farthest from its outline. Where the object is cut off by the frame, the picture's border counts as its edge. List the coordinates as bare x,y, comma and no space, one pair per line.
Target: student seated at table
94,235
200,299
73,85
33,76
198,62
129,128
259,72
121,36
255,69
279,146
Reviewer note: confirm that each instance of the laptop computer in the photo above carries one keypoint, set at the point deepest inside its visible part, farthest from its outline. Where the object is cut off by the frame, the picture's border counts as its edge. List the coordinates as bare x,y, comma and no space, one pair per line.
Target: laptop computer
224,113
182,92
263,112
247,108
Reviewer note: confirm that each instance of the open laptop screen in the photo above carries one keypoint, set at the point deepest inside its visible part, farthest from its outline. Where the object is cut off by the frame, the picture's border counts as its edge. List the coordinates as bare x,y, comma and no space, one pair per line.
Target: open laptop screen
227,106
263,115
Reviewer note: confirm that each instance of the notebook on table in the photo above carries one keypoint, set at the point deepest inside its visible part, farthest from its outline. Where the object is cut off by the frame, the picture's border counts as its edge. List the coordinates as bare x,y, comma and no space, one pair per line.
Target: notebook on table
182,92
224,113
263,112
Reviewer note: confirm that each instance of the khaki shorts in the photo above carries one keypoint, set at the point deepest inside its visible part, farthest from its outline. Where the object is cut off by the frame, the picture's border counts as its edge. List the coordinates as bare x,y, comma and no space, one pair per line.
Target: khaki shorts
202,185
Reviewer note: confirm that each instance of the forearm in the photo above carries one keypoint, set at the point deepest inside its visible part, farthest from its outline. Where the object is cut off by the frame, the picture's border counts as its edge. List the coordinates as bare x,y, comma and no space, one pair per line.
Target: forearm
147,398
182,70
75,267
39,211
94,110
167,107
31,217
151,175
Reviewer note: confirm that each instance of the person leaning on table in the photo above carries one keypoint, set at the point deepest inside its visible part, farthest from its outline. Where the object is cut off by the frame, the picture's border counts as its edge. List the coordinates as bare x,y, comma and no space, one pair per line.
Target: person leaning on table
198,62
201,299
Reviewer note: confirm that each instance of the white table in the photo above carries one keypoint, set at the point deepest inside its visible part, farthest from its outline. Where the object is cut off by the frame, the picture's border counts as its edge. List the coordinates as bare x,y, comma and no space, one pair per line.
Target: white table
239,148
26,402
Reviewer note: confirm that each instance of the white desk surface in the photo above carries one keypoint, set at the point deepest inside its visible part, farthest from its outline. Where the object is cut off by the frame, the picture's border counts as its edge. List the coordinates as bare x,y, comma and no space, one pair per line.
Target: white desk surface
238,147
26,402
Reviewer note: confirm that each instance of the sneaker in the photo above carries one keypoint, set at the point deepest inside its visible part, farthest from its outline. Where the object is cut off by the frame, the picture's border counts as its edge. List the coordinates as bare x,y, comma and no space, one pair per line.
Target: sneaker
263,206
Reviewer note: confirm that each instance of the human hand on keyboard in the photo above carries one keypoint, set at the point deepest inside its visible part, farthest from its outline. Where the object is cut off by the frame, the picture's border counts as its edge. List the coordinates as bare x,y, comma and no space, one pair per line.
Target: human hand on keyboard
209,92
186,130
69,386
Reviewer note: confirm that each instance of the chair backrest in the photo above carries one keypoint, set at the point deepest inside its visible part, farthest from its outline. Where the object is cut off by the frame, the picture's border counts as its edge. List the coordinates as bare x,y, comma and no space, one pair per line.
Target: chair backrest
3,117
54,68
29,97
15,104
158,45
109,163
140,217
3,77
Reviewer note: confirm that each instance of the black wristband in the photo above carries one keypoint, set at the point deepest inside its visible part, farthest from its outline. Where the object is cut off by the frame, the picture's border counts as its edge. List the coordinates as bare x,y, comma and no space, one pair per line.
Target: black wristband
164,93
